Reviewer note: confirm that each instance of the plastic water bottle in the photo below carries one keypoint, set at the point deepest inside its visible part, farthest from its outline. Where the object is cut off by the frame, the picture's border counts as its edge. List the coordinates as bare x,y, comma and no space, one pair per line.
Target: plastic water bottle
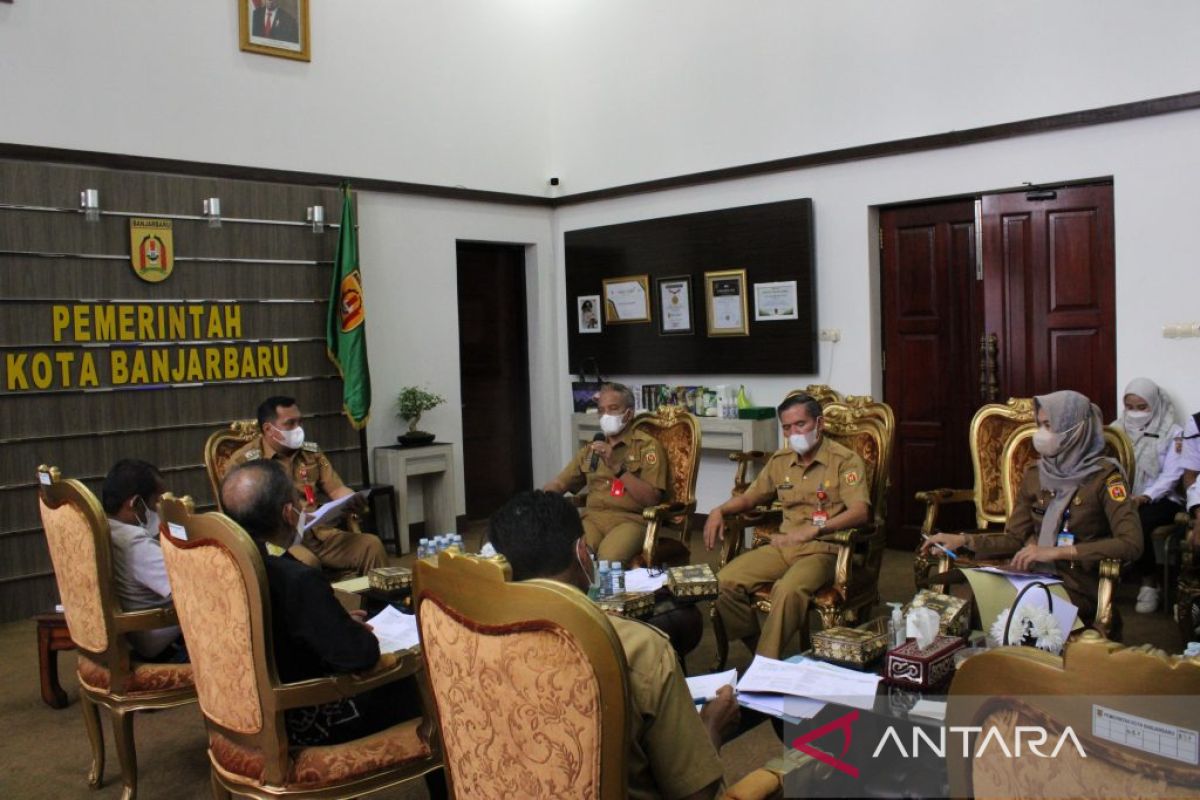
605,580
617,575
423,548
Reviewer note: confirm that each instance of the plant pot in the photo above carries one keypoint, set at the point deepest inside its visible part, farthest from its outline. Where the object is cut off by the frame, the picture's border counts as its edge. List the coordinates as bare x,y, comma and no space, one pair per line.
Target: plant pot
416,438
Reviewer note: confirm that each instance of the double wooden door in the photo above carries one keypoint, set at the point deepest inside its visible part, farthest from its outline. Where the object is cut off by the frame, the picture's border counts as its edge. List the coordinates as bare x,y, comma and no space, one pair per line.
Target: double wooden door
1007,295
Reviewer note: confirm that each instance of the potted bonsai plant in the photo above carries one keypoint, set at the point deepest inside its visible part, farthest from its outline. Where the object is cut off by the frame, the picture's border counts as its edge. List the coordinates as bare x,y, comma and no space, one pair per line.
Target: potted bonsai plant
410,404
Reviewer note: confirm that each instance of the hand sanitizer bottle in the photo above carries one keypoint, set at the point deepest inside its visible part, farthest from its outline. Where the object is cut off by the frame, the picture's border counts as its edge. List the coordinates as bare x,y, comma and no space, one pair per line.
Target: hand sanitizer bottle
896,630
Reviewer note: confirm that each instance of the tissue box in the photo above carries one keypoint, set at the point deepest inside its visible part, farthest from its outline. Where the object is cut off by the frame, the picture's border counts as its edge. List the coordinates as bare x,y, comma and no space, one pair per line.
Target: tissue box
628,604
695,582
909,665
854,647
389,579
954,612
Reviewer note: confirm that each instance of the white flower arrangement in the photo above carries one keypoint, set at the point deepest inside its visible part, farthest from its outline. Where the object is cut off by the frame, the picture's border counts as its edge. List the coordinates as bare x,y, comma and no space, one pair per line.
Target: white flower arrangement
1028,624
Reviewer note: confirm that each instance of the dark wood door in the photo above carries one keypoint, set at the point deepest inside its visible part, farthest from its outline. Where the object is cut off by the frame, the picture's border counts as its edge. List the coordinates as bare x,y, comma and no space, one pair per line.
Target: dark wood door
493,355
930,335
1050,288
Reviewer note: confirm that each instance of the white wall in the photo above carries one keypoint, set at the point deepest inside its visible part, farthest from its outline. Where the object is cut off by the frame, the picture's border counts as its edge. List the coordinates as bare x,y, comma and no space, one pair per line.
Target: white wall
1153,162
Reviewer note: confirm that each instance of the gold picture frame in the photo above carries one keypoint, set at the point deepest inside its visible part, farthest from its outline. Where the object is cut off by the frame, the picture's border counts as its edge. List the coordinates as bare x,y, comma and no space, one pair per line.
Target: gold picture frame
626,299
283,34
725,303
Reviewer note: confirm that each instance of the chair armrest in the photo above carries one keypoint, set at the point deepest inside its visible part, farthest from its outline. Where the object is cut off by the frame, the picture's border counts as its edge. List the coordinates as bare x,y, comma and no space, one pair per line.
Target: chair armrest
941,497
390,667
145,619
664,511
761,784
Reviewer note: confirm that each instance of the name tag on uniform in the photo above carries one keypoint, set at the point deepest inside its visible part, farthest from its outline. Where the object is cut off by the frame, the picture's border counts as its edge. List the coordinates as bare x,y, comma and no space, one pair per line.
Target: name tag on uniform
1065,539
617,489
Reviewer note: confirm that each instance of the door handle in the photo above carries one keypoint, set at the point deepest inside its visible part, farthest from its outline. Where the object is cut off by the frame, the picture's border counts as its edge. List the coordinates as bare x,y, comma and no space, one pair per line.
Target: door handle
989,367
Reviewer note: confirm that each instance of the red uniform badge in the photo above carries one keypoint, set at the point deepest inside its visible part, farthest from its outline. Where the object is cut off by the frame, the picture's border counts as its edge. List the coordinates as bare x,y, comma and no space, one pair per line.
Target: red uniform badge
617,489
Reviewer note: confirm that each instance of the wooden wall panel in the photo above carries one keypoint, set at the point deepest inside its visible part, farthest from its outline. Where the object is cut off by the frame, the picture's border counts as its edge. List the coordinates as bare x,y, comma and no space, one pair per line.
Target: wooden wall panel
277,275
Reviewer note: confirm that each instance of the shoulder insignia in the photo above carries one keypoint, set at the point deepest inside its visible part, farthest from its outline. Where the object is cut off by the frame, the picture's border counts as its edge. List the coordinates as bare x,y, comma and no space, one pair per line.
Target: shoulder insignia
650,457
252,455
852,477
1117,491
311,447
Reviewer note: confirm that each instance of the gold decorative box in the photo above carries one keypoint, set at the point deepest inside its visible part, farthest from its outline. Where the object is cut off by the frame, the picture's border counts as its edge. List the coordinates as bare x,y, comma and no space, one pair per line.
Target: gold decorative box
389,579
695,581
628,604
855,647
954,612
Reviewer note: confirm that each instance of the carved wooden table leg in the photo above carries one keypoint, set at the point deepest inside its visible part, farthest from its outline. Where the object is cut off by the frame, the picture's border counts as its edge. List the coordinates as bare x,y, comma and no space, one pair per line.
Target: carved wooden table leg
52,637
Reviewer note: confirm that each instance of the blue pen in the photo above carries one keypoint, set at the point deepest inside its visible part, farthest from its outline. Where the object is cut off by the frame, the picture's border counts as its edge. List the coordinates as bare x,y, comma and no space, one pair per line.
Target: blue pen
943,548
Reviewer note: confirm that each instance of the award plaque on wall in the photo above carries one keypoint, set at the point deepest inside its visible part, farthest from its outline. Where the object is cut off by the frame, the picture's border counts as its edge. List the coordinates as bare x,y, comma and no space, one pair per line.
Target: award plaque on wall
725,293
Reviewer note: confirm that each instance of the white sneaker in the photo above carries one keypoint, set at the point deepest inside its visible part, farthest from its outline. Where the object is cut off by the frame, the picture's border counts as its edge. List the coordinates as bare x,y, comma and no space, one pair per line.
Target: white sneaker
1147,600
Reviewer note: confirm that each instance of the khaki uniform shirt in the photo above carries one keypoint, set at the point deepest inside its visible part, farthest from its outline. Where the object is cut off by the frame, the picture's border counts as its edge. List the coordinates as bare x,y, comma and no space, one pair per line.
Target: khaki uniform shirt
670,754
642,456
835,468
307,466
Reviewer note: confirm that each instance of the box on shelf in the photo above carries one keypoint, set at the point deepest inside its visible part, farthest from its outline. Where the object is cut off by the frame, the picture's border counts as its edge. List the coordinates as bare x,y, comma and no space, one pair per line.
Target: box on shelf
628,604
909,665
954,612
855,647
756,412
389,579
693,582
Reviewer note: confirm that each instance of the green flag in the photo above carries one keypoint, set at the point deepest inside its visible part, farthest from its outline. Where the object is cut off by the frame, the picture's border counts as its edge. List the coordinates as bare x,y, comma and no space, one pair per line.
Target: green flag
346,333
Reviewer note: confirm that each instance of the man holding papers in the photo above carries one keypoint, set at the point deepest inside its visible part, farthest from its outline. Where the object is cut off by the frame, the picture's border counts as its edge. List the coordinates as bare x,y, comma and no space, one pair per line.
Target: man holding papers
282,440
822,487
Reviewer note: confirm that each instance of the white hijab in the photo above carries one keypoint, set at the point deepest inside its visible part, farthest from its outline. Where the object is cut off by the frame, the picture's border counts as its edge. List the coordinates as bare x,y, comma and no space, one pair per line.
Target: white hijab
1150,439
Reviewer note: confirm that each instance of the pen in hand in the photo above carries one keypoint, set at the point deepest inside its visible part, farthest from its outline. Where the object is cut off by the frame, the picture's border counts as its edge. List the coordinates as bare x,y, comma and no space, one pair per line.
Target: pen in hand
941,547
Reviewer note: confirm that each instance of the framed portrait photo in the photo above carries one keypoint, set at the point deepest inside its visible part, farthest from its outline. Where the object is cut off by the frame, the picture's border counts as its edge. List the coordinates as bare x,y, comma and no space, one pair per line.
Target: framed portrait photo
587,307
626,299
675,305
775,301
725,296
275,28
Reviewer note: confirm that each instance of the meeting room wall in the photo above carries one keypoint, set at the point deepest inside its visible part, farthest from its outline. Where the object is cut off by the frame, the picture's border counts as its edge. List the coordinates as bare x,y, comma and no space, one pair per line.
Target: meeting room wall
1152,161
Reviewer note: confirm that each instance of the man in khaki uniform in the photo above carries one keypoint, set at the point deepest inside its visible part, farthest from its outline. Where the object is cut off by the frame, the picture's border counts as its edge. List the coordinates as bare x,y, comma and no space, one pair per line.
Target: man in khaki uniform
623,474
282,440
822,487
673,752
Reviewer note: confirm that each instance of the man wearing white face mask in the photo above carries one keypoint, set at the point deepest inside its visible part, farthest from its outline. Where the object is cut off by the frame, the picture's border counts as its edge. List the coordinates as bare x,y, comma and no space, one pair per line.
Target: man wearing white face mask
624,473
130,496
822,487
283,440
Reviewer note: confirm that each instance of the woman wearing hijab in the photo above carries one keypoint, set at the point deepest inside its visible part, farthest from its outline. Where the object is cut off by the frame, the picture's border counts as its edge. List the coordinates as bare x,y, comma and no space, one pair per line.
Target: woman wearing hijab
1149,421
1073,508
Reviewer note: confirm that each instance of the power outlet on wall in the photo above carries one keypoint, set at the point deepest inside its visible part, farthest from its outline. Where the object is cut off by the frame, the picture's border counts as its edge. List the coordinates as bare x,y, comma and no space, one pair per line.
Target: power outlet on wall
830,335
1180,330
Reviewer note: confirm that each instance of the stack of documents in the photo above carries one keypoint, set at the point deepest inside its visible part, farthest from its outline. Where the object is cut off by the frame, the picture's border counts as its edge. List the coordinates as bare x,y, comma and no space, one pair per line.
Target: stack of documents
394,630
704,687
329,513
801,688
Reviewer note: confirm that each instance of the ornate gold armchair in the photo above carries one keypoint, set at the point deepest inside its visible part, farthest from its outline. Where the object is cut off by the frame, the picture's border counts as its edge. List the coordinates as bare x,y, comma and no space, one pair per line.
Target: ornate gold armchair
679,434
77,535
529,680
1187,594
867,428
221,446
224,605
1009,688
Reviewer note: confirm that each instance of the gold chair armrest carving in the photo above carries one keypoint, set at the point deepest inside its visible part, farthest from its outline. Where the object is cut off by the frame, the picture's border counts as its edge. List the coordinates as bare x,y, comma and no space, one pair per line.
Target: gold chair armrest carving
846,539
145,619
735,529
664,511
1110,574
656,516
934,499
391,667
743,461
761,784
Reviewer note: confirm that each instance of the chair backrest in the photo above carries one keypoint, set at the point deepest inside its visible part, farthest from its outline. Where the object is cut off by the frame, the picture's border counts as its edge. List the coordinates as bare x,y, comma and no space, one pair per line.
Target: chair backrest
822,393
534,664
78,538
1012,687
868,428
742,478
221,446
992,427
1018,454
220,590
678,432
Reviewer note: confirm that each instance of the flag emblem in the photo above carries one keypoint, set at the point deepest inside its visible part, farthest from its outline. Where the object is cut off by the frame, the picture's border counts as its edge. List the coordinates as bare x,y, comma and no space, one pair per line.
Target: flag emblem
350,307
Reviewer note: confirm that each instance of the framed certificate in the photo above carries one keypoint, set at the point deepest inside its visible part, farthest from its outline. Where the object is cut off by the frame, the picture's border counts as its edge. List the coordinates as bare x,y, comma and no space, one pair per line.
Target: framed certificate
626,300
776,300
675,305
725,296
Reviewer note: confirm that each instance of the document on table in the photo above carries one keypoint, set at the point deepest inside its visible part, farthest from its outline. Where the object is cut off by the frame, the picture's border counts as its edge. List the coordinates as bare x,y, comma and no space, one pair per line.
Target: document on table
640,580
704,687
930,709
1020,579
813,679
331,510
394,630
1065,612
353,585
780,705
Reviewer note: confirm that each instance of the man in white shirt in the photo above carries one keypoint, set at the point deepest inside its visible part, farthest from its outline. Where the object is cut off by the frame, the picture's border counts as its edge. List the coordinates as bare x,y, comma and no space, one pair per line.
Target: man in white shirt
130,496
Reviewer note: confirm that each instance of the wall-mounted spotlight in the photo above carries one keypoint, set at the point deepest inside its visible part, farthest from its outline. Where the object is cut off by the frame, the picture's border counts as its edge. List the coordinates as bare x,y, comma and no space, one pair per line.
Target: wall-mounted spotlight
212,211
316,215
89,204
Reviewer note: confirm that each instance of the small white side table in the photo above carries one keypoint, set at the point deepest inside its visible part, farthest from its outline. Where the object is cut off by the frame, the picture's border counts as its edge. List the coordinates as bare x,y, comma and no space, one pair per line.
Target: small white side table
434,465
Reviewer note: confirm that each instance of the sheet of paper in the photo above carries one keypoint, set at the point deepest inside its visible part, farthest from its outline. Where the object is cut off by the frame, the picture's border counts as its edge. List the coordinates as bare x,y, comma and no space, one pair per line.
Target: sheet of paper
930,709
704,687
1020,579
640,580
329,512
780,705
353,585
813,679
394,630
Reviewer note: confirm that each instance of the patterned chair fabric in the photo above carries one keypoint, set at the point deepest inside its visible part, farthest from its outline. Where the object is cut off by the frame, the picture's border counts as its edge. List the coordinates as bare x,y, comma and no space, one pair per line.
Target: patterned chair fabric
77,536
679,435
221,446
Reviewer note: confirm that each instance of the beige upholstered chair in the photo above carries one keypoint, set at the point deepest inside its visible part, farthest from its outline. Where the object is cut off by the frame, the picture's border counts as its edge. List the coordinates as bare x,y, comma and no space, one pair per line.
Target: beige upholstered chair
77,535
679,435
224,606
529,681
1020,686
867,428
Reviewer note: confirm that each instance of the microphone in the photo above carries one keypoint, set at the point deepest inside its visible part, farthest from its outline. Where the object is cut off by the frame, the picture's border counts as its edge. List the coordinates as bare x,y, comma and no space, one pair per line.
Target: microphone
599,437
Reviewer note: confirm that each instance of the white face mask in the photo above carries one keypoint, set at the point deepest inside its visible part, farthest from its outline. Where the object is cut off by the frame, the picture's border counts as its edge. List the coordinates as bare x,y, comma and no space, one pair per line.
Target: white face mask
1047,442
803,442
1137,418
293,439
151,526
612,424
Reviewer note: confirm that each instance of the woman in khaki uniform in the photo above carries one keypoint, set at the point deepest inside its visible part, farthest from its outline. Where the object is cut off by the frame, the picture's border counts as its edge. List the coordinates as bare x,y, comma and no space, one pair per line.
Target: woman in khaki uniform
1073,508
